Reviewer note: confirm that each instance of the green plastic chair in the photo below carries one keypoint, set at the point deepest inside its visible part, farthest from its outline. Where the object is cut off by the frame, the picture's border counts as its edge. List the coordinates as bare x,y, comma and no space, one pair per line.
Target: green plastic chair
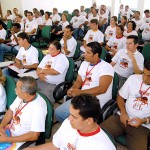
66,12
44,39
77,52
41,55
61,89
103,55
146,52
87,10
69,17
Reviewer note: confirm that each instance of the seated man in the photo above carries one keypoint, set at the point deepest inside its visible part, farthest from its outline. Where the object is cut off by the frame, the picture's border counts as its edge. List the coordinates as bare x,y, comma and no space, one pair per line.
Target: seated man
80,131
95,77
133,119
146,18
68,42
26,115
2,32
20,21
52,70
93,35
128,61
9,45
78,22
55,16
37,18
31,25
27,57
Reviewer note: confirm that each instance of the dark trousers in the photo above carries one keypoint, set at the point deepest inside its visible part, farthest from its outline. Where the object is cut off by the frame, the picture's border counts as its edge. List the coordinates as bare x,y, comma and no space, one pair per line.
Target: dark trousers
137,138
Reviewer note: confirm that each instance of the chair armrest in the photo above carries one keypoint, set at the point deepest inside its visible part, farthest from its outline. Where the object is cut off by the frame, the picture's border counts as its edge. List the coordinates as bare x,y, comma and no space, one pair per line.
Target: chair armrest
26,144
61,90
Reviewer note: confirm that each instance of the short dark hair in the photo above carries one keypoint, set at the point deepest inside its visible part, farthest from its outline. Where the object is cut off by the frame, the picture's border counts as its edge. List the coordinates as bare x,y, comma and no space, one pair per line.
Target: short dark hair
70,27
147,65
134,37
137,12
1,23
133,24
121,27
17,25
115,18
95,48
42,12
29,12
19,15
23,36
76,10
9,11
88,106
29,85
94,21
48,13
146,11
57,45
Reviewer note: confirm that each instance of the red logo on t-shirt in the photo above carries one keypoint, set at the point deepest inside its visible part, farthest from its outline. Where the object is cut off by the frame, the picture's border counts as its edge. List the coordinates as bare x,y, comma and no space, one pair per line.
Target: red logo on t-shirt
71,147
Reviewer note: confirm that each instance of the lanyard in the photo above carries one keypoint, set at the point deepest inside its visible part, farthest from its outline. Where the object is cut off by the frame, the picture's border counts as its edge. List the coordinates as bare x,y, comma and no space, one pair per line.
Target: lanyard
19,110
88,72
143,93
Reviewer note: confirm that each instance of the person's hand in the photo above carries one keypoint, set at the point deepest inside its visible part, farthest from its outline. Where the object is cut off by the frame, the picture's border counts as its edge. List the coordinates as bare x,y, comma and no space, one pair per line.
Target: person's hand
74,92
135,122
42,76
64,38
124,119
18,65
3,136
80,26
59,32
2,129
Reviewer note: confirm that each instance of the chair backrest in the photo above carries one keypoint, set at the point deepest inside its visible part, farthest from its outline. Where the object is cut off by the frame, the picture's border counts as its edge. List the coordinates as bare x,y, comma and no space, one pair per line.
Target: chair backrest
10,86
146,52
87,10
66,12
77,51
45,33
41,55
69,75
9,24
115,86
49,117
103,54
69,17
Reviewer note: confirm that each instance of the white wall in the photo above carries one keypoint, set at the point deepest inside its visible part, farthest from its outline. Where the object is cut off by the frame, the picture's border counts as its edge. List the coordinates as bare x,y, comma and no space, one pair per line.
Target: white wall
10,4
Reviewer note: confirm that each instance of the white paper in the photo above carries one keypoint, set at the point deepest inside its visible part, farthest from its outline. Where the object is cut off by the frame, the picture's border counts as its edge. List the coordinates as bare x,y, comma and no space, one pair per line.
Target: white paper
32,73
6,63
14,68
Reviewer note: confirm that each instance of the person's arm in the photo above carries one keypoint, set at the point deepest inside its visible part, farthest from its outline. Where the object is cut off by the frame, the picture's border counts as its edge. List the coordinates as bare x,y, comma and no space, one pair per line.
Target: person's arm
112,63
49,71
33,66
65,46
109,49
30,136
47,146
124,118
136,69
84,43
83,24
32,32
18,63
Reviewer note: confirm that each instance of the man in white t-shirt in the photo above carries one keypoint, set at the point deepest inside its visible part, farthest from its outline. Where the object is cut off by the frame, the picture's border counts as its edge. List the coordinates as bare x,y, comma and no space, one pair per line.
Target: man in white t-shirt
15,11
2,32
78,22
37,18
55,16
9,45
128,61
27,57
93,35
133,119
146,18
68,42
52,70
95,76
80,131
94,15
82,12
26,115
127,12
31,25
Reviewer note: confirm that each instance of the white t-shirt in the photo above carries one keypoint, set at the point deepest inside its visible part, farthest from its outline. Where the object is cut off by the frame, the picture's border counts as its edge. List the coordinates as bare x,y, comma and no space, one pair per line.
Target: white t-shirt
59,63
146,31
39,20
93,79
55,17
47,22
138,23
3,34
146,20
124,65
135,106
22,25
103,16
30,25
117,43
31,118
13,42
2,99
77,21
10,17
63,24
127,13
71,46
92,17
83,13
126,33
94,36
29,56
110,31
67,138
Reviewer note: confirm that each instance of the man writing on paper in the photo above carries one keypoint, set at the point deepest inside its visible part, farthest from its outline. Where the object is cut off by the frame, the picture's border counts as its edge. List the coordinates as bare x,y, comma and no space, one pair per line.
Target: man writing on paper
27,57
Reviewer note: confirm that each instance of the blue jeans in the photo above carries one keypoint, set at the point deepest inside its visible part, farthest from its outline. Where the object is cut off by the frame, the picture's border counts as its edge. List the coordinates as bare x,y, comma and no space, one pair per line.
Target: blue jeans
62,111
78,32
4,49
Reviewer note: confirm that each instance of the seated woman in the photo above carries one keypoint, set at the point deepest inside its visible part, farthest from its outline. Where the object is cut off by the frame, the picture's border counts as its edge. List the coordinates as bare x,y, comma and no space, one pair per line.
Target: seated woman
111,30
2,93
131,26
116,42
58,30
124,21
